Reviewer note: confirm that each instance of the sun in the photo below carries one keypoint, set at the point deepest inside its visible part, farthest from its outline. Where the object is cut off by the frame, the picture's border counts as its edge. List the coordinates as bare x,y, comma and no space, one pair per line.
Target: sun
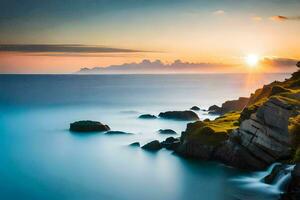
252,60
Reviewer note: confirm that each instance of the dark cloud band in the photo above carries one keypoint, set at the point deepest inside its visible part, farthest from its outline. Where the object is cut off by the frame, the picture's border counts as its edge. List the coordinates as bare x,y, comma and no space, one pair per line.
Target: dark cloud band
62,48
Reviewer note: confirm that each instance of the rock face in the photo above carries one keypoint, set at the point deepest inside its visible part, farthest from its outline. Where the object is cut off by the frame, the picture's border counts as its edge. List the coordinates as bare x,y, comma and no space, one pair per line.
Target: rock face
166,131
186,115
88,126
258,142
147,116
293,188
195,108
152,146
228,106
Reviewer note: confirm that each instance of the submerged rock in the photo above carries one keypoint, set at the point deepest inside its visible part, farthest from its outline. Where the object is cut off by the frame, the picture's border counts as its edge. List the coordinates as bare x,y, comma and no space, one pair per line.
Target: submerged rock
88,126
195,108
117,133
166,131
186,115
135,144
152,146
147,116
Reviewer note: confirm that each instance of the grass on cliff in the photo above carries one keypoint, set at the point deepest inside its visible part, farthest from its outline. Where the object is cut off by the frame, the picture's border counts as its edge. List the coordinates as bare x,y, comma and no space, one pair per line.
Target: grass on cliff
213,132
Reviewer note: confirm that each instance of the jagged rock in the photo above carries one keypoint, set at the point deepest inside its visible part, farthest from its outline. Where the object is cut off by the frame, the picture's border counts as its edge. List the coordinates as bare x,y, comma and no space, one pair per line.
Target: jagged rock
170,143
264,137
135,144
298,64
147,116
257,143
214,109
88,126
195,108
186,115
166,131
229,106
152,146
234,105
293,188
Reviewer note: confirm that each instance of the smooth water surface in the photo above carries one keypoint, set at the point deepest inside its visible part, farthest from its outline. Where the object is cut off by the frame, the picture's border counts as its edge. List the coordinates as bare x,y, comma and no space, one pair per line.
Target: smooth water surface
41,159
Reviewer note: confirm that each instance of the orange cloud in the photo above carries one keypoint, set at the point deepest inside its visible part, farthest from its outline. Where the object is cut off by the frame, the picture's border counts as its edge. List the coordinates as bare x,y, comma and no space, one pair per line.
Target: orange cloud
281,18
278,18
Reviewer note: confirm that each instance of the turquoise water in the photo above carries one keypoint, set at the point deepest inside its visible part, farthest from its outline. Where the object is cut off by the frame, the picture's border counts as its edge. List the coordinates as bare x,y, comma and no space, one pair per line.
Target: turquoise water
41,159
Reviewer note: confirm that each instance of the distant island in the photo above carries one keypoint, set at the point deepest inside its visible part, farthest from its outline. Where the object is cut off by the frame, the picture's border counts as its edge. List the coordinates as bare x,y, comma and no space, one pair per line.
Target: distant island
158,67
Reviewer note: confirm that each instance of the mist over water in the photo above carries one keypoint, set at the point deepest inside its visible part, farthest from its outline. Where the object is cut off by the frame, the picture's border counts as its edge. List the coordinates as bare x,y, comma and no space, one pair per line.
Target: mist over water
41,159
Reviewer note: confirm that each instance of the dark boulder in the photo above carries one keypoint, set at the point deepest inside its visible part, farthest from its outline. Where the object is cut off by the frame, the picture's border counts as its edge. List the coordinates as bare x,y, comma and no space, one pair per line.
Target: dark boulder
186,115
88,126
147,116
135,144
152,146
166,131
214,109
195,108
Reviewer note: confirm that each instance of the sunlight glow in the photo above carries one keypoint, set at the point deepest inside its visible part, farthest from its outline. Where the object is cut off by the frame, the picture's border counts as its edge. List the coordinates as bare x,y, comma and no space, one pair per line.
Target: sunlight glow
252,60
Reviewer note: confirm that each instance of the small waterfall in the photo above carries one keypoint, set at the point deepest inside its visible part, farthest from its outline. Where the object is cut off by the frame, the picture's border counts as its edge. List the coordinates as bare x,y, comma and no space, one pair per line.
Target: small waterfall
283,178
254,183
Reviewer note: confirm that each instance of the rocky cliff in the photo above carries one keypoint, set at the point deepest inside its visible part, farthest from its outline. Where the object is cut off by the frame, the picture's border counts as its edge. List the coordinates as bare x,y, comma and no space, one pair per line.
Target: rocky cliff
255,137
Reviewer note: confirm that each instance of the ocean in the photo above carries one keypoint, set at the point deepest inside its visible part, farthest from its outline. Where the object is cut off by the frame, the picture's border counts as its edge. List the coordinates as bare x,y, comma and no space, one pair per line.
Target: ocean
41,159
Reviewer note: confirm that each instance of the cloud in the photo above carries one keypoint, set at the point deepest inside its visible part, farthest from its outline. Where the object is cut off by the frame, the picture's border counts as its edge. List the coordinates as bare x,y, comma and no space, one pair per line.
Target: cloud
219,12
279,62
281,18
257,18
62,48
147,66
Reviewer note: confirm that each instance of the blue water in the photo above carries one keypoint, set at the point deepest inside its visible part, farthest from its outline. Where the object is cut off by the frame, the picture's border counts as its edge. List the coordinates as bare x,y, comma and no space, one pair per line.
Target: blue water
41,159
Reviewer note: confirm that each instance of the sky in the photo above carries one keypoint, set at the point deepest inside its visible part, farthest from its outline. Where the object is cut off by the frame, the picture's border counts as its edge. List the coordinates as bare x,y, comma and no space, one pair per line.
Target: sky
62,36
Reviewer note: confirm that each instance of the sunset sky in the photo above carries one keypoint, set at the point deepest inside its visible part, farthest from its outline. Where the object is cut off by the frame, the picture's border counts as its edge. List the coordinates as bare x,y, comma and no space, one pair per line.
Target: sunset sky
62,36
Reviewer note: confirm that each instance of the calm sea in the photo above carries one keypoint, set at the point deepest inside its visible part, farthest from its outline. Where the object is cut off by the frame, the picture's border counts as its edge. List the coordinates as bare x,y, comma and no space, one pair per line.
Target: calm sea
41,159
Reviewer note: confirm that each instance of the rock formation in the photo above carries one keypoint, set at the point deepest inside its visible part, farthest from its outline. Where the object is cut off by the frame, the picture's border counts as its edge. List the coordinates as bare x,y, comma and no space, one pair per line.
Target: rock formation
186,115
147,116
195,108
88,126
152,146
166,131
258,142
228,106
